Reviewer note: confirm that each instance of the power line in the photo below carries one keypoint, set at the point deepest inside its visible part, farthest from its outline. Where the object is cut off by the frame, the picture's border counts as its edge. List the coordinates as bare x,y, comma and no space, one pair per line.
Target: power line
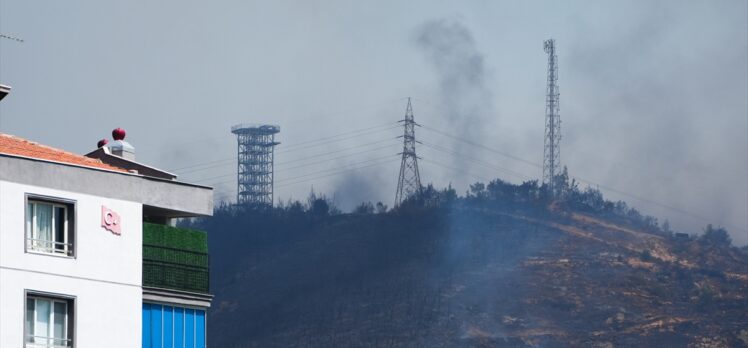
320,142
589,182
308,174
389,125
647,200
327,170
459,170
287,149
304,159
339,157
327,173
383,127
477,161
207,165
314,116
307,158
482,146
332,174
340,150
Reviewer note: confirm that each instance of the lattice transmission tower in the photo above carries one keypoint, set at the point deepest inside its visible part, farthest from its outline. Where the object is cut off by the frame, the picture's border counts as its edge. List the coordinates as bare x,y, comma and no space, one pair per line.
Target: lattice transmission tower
409,182
552,150
255,164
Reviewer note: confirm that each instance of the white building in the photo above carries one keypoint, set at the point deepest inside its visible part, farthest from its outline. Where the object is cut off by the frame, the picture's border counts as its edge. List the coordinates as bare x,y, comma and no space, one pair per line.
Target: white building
88,254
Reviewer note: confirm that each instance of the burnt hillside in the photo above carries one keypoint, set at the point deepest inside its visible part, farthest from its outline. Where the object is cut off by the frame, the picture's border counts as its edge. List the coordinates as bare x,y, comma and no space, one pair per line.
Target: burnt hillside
501,267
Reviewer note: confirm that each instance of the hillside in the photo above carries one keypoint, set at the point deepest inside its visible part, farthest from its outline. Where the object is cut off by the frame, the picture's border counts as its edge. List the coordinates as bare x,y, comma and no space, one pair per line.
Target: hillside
501,267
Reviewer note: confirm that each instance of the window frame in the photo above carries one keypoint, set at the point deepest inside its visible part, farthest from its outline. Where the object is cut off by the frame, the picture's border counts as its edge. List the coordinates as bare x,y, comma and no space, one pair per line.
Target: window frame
71,326
70,234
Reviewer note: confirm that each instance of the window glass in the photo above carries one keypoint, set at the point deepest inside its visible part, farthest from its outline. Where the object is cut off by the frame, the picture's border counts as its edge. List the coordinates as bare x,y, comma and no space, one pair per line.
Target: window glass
59,330
29,219
59,228
48,228
30,310
43,230
47,322
41,330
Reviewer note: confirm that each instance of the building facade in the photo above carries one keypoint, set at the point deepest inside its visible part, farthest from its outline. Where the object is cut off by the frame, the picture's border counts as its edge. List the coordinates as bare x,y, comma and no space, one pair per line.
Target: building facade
90,256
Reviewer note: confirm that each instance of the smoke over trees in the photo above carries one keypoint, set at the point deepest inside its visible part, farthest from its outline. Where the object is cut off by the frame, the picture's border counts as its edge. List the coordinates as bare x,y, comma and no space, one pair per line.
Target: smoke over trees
483,268
451,50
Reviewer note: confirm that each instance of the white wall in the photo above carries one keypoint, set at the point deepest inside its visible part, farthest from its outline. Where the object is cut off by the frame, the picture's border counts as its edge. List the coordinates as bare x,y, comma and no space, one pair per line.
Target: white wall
105,275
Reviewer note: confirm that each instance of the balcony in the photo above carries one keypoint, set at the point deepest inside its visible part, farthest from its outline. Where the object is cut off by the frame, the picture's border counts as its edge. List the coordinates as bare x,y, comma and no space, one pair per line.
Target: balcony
175,258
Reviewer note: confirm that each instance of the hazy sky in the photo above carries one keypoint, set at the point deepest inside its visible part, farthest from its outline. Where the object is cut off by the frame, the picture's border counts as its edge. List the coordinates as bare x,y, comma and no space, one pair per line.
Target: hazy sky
654,95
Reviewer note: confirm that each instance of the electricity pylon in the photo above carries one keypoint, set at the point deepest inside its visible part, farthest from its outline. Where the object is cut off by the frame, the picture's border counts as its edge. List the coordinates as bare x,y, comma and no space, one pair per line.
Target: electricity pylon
409,182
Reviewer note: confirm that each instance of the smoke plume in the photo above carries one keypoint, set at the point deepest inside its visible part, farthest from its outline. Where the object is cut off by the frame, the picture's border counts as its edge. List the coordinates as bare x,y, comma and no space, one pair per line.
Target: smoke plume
450,48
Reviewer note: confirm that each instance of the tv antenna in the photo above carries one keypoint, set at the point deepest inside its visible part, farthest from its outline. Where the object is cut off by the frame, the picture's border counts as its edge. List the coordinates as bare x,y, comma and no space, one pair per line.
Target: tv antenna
11,38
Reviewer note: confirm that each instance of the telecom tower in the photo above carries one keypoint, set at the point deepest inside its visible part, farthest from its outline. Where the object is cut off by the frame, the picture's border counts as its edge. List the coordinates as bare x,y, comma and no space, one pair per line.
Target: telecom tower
409,182
551,150
255,164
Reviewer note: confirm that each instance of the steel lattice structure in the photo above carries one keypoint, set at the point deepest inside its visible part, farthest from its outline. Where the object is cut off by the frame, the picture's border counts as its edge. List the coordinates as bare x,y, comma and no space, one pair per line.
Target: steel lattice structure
409,182
552,150
255,164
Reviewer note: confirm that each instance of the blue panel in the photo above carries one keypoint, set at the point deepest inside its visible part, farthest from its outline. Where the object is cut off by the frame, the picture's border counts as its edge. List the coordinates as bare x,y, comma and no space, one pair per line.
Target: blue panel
178,327
168,326
146,325
173,327
156,323
199,329
189,328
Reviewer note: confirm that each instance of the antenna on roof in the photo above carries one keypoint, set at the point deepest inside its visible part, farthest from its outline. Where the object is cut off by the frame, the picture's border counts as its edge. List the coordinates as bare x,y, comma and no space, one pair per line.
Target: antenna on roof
4,90
10,38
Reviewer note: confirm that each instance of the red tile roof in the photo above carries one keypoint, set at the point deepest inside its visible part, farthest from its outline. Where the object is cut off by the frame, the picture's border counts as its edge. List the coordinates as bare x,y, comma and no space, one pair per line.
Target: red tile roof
16,146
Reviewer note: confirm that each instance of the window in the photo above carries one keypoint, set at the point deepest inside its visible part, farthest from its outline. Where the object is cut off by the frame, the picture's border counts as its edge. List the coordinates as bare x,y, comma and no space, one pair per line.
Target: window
49,322
49,226
173,326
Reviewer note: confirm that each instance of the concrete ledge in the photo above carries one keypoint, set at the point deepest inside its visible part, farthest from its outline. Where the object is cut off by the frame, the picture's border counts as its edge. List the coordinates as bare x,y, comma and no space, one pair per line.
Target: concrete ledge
188,199
177,297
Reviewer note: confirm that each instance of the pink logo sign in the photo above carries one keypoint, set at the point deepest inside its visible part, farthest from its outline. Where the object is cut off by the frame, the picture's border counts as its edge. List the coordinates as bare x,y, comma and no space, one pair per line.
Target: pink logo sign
110,220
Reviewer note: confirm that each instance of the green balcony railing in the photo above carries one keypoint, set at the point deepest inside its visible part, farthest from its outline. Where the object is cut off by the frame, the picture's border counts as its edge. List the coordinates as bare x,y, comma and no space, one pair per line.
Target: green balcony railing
175,258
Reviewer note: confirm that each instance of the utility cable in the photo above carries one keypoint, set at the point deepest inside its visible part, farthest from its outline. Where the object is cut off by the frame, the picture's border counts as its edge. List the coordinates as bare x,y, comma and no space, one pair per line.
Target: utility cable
327,173
459,170
589,182
232,161
327,140
482,147
331,174
477,161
